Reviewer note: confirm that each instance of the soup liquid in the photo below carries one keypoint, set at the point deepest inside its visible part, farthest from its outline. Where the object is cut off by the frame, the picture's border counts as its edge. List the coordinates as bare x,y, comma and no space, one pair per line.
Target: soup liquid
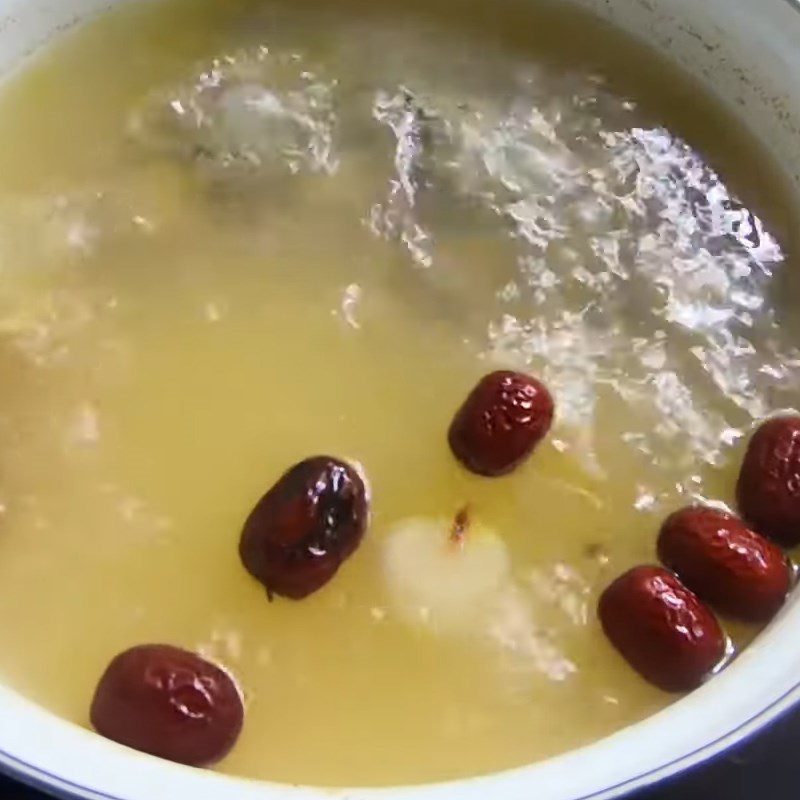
235,234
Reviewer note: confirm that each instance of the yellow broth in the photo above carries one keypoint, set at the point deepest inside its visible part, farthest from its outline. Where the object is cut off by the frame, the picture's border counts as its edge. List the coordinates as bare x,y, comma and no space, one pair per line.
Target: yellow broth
236,234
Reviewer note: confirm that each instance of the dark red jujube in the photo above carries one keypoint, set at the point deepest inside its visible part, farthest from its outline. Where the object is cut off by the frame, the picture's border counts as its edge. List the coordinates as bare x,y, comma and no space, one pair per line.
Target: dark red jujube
718,557
305,527
768,490
500,423
661,628
170,703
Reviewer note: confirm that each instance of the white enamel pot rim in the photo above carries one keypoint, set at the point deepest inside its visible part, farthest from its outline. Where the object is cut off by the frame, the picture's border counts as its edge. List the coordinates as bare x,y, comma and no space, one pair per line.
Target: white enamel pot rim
748,53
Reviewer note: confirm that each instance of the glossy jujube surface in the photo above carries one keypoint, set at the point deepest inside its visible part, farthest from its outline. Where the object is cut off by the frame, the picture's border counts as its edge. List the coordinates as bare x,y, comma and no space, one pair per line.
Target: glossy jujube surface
305,527
730,566
768,490
170,703
661,628
500,423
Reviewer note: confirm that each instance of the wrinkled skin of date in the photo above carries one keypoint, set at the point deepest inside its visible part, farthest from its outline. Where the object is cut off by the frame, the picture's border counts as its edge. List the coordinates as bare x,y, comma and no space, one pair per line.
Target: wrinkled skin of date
305,527
661,628
169,703
726,564
768,490
500,423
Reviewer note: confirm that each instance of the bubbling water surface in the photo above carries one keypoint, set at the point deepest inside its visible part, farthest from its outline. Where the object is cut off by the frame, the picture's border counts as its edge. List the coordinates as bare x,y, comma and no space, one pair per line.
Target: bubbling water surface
272,231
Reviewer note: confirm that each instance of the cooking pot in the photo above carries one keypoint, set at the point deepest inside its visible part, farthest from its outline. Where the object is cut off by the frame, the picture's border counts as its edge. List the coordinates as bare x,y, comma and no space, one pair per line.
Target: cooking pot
748,54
